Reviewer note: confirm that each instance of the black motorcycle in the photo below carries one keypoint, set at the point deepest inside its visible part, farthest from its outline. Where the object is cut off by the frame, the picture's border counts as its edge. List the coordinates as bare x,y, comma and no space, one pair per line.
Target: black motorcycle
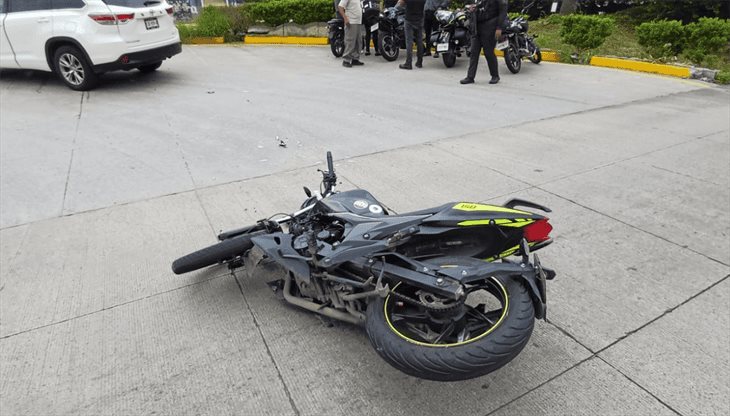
517,43
336,36
336,28
434,288
453,36
391,35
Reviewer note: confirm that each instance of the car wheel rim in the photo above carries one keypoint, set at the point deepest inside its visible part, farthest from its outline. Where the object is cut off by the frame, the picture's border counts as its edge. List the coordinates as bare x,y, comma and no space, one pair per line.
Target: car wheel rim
71,69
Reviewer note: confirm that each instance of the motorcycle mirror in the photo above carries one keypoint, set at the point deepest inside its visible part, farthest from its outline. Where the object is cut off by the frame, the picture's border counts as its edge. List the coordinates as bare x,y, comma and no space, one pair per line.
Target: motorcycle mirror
307,192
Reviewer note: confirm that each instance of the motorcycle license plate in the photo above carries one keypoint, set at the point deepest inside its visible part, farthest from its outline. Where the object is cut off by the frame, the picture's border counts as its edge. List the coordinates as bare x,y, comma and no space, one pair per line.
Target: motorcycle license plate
502,45
374,27
442,47
151,23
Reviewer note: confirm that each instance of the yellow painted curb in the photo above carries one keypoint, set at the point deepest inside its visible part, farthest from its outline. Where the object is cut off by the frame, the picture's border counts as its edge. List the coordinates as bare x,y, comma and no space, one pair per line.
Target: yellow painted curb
675,71
206,40
547,56
285,40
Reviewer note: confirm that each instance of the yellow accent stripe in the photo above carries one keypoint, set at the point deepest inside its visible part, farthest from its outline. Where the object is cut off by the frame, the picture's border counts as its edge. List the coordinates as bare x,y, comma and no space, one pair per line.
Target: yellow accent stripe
456,344
671,70
467,206
519,222
285,40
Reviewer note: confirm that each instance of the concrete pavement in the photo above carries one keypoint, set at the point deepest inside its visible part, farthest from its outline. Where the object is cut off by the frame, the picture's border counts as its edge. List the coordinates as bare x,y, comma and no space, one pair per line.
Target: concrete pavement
101,191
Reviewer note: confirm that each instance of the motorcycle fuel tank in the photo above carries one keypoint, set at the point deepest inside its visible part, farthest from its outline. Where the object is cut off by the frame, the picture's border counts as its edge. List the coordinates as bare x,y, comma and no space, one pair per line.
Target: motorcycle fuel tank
356,201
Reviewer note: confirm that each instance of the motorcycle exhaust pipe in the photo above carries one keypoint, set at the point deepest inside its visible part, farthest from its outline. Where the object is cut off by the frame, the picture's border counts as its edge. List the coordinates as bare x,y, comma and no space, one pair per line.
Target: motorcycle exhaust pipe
323,310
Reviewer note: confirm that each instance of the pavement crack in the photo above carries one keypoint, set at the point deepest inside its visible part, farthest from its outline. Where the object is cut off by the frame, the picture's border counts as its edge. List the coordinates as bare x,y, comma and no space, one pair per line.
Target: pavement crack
665,313
541,384
73,318
73,151
268,349
641,387
685,247
684,175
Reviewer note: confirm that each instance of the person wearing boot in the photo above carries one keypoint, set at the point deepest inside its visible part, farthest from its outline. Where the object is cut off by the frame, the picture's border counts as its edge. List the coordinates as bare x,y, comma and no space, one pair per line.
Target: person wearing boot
487,21
430,23
413,28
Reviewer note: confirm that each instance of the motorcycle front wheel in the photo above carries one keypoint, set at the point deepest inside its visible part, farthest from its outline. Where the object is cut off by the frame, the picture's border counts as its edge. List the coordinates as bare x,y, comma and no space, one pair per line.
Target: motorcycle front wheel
452,342
388,46
513,60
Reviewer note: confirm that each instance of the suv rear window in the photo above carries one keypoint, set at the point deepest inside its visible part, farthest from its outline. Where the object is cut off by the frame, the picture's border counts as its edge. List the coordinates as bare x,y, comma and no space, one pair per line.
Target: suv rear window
133,3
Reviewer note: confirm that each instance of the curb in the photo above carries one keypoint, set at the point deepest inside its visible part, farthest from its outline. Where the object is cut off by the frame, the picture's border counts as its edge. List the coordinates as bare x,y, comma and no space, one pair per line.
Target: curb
548,56
285,40
662,69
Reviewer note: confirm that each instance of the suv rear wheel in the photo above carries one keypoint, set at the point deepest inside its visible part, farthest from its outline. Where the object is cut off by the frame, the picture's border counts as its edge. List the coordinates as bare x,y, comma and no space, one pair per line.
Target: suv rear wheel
73,69
145,69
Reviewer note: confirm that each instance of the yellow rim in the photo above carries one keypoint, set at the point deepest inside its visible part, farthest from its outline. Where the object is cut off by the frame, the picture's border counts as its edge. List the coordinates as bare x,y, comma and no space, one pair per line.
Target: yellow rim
424,344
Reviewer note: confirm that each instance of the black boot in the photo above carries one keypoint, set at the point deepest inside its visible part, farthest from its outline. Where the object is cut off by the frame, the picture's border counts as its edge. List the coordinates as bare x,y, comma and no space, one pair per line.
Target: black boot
467,80
494,80
405,66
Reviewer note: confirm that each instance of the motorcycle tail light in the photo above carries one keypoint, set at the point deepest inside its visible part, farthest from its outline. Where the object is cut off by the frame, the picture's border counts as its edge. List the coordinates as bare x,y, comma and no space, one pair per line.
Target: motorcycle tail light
538,231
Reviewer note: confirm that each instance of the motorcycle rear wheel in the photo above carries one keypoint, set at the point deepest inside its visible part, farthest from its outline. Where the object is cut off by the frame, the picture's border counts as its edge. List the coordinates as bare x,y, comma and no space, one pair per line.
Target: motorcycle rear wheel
388,46
449,59
513,60
414,350
536,58
337,46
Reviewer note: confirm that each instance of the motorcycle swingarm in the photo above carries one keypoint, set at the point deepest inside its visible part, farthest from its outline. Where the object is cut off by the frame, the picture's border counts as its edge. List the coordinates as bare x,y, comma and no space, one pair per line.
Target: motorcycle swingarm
533,275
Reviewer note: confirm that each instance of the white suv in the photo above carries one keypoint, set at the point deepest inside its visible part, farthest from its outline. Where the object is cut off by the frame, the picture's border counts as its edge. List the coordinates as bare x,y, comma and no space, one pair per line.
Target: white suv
80,39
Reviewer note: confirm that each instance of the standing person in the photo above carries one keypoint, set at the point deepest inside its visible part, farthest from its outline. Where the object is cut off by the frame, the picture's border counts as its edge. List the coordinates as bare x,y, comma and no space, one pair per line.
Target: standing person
413,26
489,16
430,23
351,12
370,13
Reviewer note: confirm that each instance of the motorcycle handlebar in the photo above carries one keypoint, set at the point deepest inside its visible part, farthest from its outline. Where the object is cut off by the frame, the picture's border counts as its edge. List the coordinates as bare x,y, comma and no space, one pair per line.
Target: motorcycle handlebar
330,165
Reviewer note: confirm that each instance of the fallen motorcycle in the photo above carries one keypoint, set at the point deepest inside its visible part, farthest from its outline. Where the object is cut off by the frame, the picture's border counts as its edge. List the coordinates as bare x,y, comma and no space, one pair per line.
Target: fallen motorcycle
436,289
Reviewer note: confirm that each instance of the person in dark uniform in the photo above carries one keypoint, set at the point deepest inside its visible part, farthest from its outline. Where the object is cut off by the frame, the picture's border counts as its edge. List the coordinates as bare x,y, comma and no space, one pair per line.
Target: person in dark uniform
488,19
413,28
430,23
370,13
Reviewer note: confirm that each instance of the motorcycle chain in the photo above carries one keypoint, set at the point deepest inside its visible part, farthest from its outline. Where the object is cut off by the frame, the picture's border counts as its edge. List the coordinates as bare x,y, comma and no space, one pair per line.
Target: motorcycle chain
416,302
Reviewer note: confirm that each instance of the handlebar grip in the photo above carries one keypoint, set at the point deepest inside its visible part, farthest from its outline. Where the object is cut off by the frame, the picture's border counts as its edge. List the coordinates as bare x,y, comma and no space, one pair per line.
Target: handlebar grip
330,164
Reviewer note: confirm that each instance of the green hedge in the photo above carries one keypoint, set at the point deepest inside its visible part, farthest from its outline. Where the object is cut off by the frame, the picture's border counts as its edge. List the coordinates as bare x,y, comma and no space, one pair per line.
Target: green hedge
706,37
661,39
585,32
277,12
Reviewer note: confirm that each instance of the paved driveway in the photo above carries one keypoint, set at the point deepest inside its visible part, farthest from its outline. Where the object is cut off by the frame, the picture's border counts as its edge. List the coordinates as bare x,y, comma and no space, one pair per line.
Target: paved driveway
100,191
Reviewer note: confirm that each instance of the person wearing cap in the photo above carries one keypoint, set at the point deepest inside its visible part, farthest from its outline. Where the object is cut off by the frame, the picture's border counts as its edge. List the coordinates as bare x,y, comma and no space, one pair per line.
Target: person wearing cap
489,16
351,12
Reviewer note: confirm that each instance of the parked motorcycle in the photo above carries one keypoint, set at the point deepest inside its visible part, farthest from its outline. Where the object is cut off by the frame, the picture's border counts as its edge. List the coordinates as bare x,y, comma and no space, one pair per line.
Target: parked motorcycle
434,288
453,36
336,28
391,36
518,44
336,36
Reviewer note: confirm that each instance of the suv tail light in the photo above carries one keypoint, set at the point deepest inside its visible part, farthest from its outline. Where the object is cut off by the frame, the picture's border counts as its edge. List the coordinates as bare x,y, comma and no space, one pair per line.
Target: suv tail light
169,10
112,19
538,231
